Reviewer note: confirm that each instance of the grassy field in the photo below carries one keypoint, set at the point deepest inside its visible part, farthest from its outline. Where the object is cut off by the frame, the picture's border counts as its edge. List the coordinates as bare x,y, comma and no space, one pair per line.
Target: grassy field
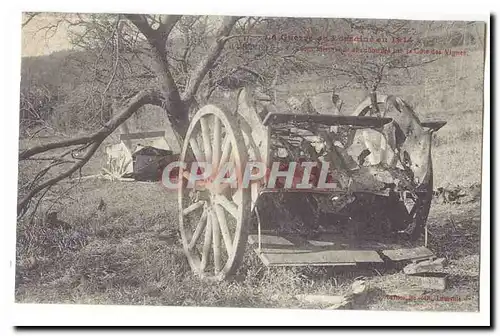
129,253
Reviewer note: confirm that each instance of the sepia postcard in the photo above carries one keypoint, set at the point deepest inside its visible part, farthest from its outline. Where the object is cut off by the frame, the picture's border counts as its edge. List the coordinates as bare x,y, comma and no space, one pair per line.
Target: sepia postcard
254,162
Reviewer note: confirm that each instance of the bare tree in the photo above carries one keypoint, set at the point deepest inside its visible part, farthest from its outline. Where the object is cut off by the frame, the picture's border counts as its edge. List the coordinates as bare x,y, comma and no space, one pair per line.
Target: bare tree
129,36
177,62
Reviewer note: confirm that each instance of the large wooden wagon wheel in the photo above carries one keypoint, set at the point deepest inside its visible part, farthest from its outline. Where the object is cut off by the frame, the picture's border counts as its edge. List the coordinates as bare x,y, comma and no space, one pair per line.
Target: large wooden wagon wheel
418,206
213,217
409,209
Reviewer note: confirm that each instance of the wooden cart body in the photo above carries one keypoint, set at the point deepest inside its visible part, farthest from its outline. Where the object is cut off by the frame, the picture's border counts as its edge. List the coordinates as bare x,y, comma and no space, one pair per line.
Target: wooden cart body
214,245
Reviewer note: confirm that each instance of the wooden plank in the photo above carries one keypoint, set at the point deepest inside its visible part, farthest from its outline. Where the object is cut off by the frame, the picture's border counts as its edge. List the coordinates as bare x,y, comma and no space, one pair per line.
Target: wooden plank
325,119
269,240
426,266
416,253
142,135
277,257
321,243
298,260
366,256
436,281
280,251
330,251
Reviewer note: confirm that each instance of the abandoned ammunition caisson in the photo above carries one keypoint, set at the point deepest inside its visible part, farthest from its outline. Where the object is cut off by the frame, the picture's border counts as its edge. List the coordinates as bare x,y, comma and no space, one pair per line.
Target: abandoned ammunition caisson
371,163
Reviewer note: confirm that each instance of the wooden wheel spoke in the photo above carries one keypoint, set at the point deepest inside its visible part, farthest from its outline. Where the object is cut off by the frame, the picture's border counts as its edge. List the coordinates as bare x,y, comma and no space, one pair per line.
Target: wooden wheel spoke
254,192
199,229
193,207
226,151
213,227
198,154
205,134
237,196
230,206
226,236
414,208
216,143
216,242
198,184
206,244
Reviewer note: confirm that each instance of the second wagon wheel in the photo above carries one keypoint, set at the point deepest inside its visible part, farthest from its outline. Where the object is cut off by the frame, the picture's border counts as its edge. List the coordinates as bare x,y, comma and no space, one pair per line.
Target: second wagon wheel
418,206
213,216
415,206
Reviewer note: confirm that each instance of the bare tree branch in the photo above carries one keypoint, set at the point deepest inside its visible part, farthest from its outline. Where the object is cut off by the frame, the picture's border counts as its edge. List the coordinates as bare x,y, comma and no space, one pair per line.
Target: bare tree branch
208,61
92,142
140,99
167,25
30,16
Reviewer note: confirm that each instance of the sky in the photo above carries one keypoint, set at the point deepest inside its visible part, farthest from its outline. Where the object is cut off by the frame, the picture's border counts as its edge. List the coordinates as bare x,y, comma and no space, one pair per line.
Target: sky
34,41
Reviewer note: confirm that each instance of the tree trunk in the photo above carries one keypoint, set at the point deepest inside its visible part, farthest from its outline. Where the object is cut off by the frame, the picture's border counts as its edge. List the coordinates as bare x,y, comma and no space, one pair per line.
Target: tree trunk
177,110
177,107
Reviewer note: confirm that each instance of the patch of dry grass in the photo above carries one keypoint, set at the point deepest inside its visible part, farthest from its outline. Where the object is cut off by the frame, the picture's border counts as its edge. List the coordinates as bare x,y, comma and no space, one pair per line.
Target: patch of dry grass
131,254
455,235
